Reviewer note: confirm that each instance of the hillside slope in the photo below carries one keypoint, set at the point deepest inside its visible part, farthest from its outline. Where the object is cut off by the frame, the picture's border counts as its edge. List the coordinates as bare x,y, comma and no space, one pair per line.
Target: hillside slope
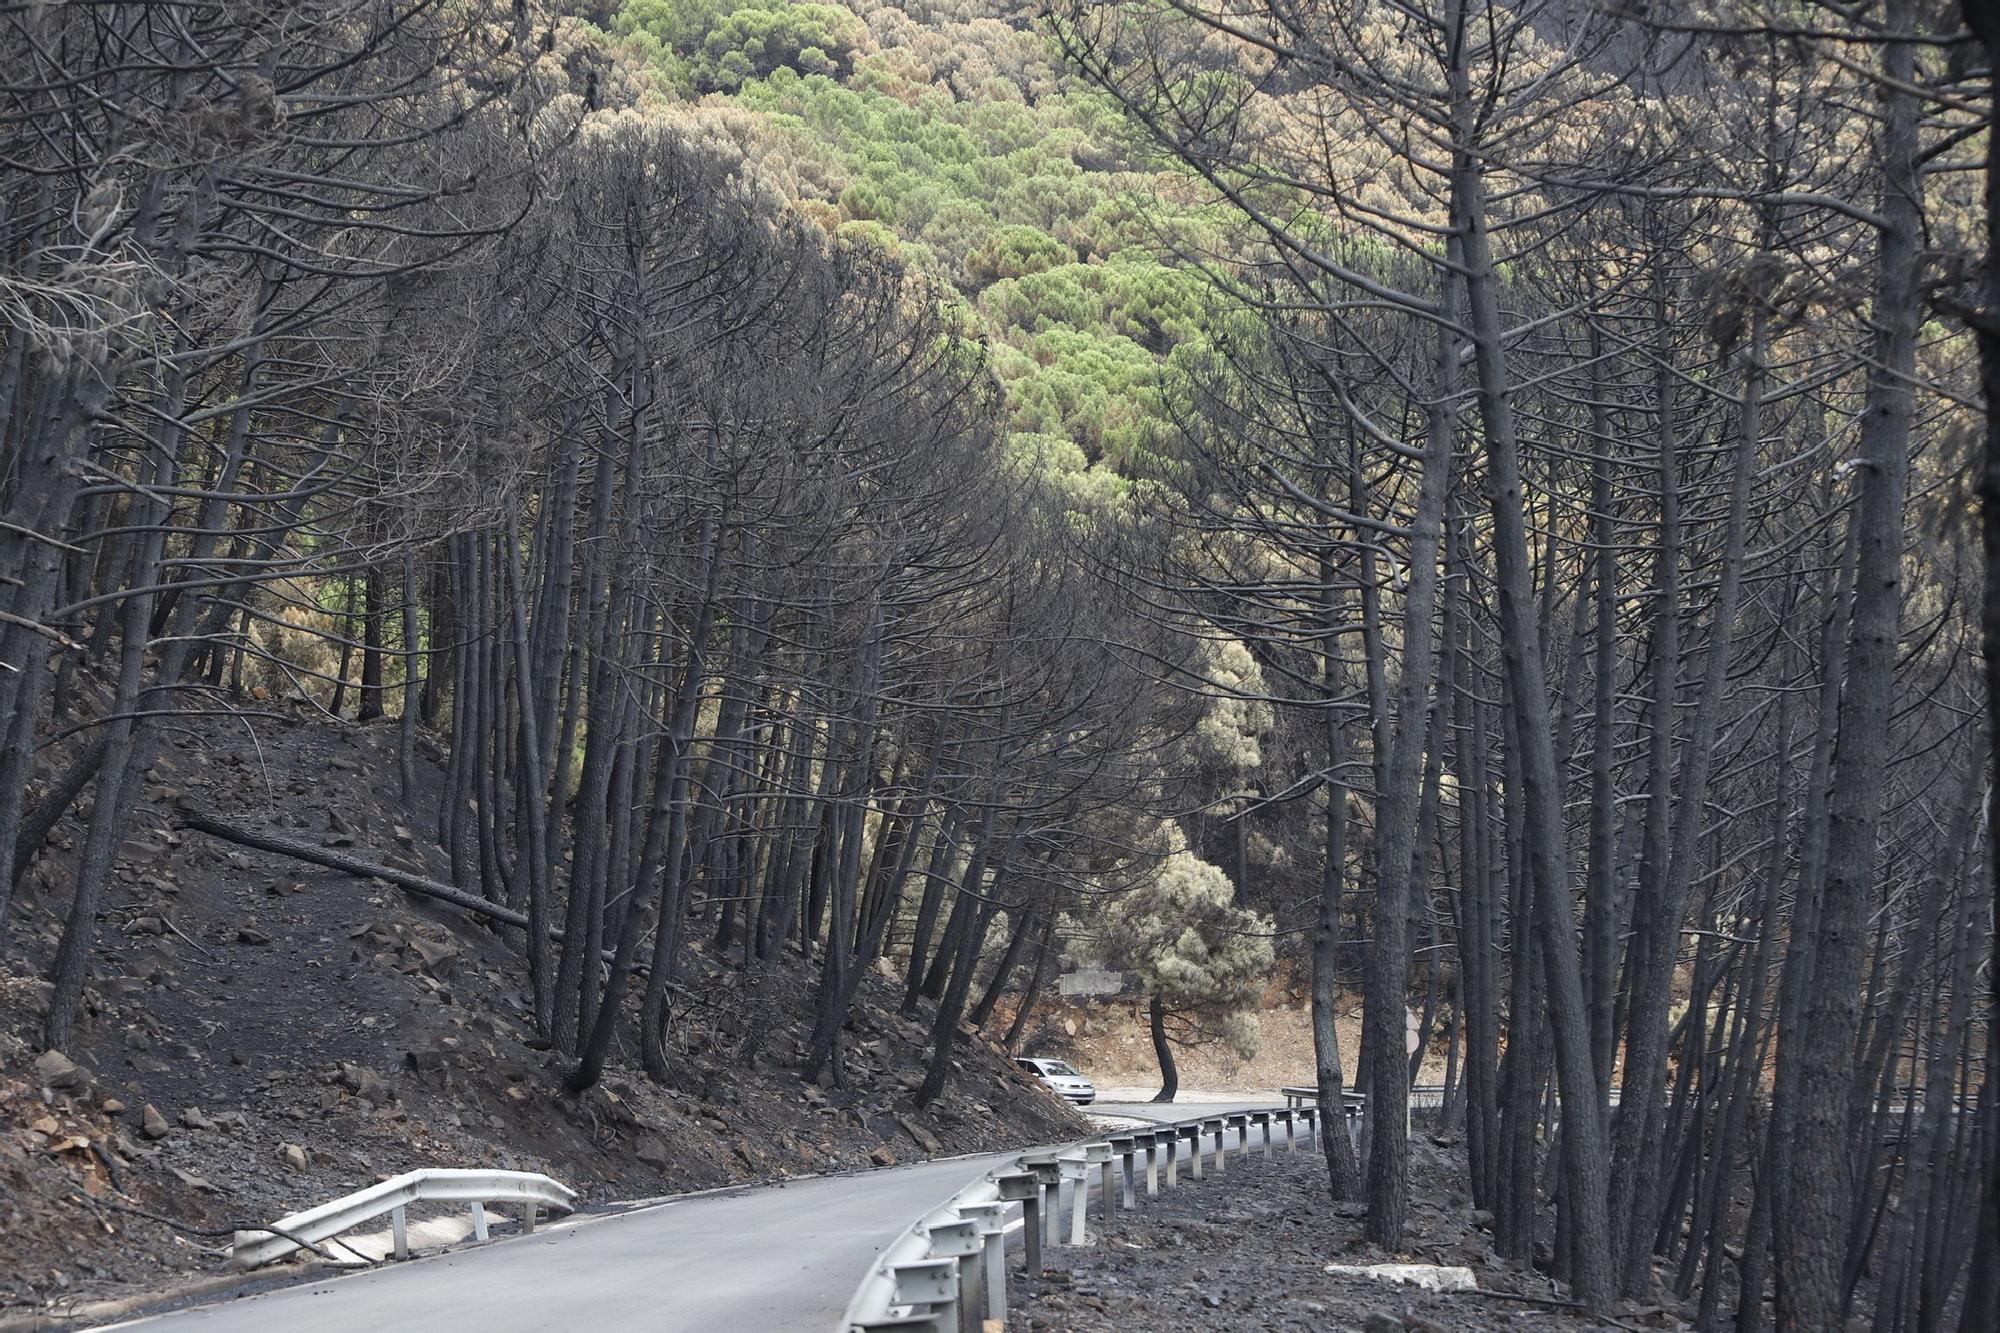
263,1035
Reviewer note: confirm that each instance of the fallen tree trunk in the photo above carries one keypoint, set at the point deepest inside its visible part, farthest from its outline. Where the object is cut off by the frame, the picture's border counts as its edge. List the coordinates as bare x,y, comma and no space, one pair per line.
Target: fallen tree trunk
216,826
423,887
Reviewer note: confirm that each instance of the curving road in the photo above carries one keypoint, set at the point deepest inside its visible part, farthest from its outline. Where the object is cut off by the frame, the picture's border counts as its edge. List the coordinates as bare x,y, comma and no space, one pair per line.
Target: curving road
768,1259
772,1257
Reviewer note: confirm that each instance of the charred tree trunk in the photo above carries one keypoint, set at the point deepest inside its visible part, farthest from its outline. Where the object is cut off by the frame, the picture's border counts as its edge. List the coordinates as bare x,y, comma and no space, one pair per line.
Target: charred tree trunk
1163,1051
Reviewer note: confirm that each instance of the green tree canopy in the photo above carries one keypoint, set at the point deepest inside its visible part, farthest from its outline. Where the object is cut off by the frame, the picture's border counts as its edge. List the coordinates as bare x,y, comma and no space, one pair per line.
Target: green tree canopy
719,45
1202,958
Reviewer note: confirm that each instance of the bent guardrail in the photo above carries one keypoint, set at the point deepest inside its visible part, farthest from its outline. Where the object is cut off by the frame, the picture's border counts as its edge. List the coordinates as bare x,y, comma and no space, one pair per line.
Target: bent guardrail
951,1262
254,1247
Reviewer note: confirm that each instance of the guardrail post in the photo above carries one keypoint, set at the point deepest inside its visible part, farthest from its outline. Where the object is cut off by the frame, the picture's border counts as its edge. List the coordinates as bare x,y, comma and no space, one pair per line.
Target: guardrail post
1049,1173
1025,1188
1262,1119
1151,1141
1099,1156
1218,1125
932,1283
1291,1131
991,1218
478,1220
399,1229
996,1275
1169,1140
959,1241
1125,1145
1311,1116
1192,1133
1076,1173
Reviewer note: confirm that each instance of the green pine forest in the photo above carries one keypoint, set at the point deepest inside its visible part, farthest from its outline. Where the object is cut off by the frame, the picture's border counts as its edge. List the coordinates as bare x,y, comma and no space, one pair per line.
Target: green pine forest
950,136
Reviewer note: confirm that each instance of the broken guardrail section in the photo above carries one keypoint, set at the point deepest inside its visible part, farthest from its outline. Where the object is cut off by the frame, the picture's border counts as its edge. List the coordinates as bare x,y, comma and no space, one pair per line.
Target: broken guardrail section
532,1193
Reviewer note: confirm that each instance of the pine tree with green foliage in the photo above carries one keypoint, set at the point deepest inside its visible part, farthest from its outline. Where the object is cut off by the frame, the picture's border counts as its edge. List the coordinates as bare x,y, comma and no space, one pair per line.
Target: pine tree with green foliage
1201,959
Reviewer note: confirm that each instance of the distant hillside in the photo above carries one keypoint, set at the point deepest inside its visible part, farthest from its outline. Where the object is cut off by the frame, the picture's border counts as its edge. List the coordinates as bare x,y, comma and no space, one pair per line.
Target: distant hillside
948,133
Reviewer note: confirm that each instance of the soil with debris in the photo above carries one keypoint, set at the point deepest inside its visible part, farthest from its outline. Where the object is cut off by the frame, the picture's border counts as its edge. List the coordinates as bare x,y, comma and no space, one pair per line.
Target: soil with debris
261,1035
1246,1252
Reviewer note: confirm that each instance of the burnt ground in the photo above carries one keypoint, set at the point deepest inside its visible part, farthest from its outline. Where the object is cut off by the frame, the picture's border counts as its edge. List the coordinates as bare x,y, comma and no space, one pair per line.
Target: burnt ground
298,1033
1246,1253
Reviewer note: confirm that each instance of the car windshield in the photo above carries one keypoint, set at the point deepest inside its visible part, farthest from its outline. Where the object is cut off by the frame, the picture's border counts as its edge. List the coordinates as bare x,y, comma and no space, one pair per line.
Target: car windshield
1058,1067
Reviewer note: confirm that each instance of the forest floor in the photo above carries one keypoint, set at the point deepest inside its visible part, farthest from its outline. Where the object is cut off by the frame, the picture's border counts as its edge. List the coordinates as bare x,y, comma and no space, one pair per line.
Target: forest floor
261,1035
1247,1253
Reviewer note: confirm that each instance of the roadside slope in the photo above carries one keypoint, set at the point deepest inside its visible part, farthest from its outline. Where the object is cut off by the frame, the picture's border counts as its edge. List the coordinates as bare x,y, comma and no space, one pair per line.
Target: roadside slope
298,1033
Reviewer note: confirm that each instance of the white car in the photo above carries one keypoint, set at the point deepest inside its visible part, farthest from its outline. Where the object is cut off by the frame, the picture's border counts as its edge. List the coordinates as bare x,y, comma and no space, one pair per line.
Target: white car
1064,1081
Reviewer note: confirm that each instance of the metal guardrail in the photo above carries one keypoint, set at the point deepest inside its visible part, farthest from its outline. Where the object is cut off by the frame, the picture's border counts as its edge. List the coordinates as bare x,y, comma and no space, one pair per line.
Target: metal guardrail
1423,1097
951,1262
1352,1102
253,1248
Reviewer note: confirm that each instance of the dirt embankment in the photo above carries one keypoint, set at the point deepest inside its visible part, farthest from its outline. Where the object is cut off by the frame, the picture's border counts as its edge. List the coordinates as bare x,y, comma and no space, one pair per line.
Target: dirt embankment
262,1035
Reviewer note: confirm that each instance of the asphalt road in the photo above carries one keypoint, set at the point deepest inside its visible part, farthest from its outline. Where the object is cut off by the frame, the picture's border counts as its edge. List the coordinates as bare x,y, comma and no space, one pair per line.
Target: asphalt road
763,1259
776,1257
